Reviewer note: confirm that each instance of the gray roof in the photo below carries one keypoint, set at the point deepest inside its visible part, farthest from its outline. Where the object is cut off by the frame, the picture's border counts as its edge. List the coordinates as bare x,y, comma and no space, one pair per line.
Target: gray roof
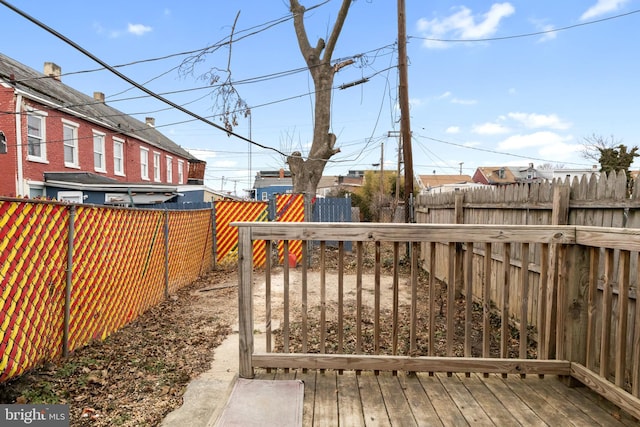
66,98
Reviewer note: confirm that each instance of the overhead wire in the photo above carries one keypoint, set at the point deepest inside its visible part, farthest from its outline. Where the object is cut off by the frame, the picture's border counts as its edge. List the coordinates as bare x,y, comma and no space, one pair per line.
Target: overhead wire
132,82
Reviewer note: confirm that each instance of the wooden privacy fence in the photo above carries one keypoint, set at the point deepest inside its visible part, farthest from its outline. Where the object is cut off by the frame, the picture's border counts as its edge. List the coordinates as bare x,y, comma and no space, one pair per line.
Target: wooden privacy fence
588,321
70,274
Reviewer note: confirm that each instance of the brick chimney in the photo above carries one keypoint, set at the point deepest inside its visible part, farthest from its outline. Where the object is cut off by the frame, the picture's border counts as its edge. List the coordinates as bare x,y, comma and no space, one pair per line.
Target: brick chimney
52,70
150,121
98,96
281,173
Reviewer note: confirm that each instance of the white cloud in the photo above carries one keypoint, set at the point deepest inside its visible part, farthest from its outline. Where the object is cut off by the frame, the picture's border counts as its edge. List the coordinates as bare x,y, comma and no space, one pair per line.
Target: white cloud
535,121
549,35
225,164
602,7
561,151
415,102
464,101
138,29
444,95
464,25
537,139
490,129
453,129
203,154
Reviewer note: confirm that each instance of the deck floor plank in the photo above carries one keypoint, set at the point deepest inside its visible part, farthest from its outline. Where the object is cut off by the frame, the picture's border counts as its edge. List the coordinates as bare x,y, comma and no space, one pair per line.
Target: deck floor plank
349,407
539,404
466,402
598,414
444,406
610,408
375,413
516,406
350,399
326,400
421,407
309,379
492,406
395,401
564,406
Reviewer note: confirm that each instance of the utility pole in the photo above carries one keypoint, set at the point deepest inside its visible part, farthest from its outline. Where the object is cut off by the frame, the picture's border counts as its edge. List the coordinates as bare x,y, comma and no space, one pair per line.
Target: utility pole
389,135
381,174
405,124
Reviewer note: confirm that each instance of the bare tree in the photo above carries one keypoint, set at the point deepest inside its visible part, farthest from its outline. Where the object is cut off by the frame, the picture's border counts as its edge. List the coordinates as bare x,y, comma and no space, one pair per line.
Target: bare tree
307,173
594,145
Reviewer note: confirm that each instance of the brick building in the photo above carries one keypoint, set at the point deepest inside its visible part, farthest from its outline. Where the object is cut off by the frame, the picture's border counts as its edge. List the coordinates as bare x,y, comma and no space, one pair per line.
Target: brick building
91,149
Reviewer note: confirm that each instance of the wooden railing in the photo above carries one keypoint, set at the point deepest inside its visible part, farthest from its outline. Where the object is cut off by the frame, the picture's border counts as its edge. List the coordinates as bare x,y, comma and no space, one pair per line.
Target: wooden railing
574,315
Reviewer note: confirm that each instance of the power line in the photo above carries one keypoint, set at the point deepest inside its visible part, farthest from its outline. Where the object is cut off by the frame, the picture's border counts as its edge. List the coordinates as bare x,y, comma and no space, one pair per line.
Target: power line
132,82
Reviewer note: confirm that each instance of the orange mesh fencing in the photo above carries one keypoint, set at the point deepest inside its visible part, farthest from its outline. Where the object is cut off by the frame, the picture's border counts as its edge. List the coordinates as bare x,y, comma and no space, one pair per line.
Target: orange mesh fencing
124,261
227,236
290,208
33,257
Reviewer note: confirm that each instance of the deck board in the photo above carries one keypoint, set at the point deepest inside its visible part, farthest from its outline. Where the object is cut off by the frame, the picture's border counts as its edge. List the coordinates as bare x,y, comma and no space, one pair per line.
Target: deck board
398,408
349,400
466,402
492,406
365,399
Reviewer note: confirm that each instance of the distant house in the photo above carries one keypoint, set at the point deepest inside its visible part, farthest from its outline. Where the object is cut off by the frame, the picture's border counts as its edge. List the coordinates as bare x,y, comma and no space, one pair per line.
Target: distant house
331,185
505,175
269,183
494,175
443,183
65,145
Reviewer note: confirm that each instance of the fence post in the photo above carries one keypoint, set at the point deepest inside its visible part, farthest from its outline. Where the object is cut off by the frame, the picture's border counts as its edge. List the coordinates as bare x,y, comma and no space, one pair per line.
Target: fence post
459,218
214,242
166,254
245,303
67,293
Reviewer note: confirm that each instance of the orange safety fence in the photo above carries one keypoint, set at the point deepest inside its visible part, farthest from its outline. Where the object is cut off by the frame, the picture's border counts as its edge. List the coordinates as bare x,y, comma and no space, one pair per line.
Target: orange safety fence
290,208
227,236
123,261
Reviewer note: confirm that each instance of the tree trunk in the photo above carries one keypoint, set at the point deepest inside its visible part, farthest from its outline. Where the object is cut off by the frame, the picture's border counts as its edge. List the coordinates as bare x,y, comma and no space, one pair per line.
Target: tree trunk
306,173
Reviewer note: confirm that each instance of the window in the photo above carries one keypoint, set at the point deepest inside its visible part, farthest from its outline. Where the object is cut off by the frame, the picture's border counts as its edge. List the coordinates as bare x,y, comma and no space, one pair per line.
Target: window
118,157
180,172
144,163
265,196
156,166
99,162
169,169
37,149
70,137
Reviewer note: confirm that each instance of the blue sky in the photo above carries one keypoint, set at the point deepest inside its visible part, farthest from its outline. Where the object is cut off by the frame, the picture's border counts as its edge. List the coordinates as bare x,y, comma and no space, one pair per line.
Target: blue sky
490,83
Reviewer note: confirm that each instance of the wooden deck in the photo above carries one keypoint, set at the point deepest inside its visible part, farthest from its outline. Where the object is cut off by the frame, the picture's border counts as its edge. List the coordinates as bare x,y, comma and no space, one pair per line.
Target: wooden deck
347,399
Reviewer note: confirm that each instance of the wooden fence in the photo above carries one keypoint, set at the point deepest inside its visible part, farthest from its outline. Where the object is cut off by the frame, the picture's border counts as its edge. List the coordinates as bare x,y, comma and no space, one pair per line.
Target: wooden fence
601,202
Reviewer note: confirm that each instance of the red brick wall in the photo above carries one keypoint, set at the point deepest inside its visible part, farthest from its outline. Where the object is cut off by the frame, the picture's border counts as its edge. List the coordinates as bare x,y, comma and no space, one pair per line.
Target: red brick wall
8,126
33,170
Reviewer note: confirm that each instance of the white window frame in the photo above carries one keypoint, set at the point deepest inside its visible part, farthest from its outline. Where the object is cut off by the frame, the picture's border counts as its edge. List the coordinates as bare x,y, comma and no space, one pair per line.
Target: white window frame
71,143
169,169
157,169
41,139
265,196
144,163
99,154
180,171
118,161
